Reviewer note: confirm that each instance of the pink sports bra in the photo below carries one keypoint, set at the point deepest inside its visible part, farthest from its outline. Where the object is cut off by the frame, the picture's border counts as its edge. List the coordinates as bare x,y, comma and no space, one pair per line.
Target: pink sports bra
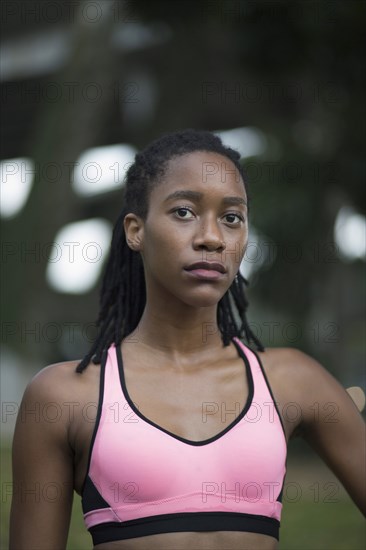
143,479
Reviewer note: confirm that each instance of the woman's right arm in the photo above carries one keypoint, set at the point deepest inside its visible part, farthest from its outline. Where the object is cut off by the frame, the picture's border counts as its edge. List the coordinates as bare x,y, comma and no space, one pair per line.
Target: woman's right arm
42,465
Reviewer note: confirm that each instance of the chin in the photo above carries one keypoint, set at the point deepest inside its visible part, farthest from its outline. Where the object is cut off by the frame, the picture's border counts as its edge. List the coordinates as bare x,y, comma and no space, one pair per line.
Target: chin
200,300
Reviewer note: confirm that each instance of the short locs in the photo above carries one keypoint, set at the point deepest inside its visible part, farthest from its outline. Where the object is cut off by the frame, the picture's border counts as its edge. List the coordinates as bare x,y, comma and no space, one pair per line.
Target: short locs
123,294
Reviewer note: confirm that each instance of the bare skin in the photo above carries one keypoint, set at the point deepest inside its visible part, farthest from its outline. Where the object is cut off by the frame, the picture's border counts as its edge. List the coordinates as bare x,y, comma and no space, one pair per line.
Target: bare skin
170,371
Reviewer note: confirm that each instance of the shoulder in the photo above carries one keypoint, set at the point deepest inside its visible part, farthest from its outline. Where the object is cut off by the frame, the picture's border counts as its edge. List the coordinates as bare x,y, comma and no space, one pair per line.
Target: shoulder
287,358
298,377
58,388
292,366
55,379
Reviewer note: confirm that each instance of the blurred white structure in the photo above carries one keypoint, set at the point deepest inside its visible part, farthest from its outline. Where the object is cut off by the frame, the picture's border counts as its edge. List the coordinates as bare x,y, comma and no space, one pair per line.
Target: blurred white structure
15,185
350,234
248,141
78,255
102,169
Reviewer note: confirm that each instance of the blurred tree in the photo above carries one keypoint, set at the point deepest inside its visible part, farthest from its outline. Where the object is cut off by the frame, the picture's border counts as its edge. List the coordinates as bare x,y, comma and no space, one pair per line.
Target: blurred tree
294,70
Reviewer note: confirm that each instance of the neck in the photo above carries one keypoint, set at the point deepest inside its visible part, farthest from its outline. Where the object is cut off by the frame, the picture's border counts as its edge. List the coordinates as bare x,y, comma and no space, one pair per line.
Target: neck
192,332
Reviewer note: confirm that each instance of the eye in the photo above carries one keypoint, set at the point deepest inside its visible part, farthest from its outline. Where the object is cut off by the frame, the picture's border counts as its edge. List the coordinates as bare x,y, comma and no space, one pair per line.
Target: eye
234,215
182,210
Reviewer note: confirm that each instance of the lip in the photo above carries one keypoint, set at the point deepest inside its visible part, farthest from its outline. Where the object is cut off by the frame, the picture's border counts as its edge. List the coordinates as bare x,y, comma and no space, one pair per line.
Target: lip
207,271
206,266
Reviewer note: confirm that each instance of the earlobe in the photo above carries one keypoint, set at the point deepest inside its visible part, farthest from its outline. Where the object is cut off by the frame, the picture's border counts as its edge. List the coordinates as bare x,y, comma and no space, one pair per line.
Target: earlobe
134,230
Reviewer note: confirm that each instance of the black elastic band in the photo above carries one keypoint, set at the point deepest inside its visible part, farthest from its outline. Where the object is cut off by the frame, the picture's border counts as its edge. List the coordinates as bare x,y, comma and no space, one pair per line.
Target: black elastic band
189,521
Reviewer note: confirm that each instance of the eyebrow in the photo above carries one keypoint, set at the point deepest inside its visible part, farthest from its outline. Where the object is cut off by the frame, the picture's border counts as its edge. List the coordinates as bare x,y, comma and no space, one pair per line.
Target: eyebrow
197,196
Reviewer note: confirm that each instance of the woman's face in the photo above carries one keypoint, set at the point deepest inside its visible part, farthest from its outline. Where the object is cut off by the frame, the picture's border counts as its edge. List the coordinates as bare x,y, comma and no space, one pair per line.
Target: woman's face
197,213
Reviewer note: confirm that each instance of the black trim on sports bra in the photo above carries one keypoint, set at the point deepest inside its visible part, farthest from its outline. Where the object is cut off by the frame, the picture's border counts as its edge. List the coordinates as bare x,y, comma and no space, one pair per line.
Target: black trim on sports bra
279,498
270,391
99,413
187,521
188,441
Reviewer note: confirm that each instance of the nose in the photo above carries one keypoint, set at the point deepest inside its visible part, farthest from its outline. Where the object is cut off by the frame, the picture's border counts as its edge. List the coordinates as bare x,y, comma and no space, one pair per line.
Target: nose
209,236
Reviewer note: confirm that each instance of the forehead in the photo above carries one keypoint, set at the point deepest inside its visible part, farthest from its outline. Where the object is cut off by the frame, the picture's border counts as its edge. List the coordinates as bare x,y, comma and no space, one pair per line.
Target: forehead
202,171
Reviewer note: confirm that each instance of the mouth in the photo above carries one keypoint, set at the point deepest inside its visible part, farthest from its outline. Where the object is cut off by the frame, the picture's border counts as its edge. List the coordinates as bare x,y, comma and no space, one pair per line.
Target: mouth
208,271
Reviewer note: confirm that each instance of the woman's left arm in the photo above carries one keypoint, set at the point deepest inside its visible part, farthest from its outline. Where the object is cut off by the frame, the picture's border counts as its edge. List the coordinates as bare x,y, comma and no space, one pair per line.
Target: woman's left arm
332,425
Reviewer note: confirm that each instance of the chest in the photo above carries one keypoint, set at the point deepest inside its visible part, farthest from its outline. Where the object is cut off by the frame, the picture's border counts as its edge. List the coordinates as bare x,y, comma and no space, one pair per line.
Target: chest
194,405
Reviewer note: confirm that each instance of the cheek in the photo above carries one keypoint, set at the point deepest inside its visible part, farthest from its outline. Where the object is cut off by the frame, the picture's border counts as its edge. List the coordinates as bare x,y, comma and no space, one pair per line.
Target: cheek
236,247
163,243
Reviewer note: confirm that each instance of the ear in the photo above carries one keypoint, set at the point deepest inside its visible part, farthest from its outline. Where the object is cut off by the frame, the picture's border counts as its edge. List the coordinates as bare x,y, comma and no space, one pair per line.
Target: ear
134,229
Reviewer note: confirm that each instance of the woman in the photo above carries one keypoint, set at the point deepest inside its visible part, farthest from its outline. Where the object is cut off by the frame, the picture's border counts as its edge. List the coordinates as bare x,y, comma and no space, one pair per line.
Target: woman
187,445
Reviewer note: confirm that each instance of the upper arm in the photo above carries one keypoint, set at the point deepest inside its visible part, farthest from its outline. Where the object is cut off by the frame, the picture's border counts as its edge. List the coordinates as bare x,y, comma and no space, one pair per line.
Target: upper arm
333,426
42,468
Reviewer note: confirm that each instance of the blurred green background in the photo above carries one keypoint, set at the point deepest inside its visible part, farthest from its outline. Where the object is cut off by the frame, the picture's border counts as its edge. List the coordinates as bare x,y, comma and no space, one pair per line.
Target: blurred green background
86,84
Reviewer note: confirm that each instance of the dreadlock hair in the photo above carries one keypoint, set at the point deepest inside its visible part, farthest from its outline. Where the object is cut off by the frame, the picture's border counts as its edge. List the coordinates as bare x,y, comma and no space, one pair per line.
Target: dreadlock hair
123,293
